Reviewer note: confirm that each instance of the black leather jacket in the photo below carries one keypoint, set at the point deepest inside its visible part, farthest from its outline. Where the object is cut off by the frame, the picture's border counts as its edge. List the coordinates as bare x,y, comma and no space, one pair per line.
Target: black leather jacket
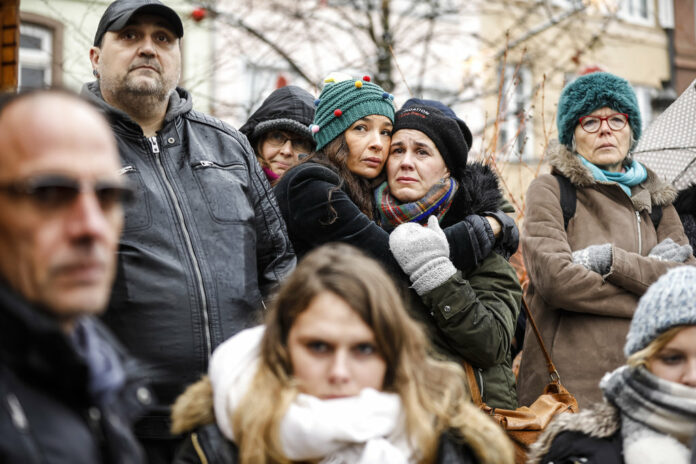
47,415
202,243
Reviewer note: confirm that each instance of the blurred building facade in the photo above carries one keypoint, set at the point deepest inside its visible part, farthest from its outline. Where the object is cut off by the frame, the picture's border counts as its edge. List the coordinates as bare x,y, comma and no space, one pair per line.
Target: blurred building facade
501,64
55,37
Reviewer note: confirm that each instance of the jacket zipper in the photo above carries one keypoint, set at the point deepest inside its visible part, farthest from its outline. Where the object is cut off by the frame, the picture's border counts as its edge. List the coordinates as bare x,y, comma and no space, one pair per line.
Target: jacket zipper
640,239
189,245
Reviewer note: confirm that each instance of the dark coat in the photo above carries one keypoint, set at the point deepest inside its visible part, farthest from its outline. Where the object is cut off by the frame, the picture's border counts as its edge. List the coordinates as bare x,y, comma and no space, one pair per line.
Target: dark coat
686,207
208,445
47,415
289,108
203,242
592,434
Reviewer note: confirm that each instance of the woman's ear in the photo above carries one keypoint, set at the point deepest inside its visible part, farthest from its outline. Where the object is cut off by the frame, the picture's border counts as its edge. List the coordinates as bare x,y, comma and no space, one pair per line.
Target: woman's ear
447,174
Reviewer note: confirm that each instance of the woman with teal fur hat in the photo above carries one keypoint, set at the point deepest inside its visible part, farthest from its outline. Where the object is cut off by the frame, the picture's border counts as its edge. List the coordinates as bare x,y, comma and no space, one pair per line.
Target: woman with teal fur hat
586,276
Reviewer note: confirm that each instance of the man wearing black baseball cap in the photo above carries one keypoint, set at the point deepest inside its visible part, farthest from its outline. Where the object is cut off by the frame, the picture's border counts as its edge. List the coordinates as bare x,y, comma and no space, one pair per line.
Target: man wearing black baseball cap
119,13
203,242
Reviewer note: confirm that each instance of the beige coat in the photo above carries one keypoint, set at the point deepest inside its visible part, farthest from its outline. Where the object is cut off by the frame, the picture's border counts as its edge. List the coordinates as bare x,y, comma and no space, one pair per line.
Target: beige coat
584,317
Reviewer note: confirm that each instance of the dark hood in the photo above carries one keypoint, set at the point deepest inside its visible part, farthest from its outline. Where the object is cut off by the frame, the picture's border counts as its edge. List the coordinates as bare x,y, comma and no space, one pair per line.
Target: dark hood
478,193
287,108
180,102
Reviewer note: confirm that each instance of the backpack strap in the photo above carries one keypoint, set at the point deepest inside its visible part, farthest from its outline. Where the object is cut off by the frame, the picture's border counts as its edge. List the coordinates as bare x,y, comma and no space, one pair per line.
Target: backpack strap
568,198
569,201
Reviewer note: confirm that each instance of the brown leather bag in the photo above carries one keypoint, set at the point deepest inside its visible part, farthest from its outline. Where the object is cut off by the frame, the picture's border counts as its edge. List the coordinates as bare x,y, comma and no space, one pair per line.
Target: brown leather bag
524,424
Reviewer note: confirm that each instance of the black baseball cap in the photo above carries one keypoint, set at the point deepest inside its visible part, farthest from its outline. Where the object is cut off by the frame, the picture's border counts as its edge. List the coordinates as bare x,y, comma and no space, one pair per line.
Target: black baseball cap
120,12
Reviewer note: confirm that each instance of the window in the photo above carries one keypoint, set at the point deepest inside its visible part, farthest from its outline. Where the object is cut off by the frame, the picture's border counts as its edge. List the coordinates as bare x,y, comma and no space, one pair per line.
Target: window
35,50
40,51
637,11
644,95
665,10
515,137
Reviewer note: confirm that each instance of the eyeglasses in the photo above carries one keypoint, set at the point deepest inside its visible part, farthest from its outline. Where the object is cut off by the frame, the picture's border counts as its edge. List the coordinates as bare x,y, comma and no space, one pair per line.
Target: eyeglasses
299,144
56,191
616,121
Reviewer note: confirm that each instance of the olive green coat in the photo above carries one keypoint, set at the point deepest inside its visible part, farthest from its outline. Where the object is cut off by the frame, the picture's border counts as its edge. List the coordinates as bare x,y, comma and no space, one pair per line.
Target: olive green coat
474,315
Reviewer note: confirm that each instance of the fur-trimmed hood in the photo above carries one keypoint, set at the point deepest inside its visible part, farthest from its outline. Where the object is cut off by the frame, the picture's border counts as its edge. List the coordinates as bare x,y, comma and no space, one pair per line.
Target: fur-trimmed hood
654,192
600,421
478,193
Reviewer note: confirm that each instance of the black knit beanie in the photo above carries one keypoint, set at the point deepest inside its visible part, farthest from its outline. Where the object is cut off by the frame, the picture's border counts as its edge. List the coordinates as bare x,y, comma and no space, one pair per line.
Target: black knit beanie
451,136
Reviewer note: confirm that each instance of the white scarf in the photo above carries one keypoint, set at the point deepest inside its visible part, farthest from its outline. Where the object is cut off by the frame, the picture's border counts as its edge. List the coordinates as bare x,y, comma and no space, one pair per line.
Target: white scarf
363,429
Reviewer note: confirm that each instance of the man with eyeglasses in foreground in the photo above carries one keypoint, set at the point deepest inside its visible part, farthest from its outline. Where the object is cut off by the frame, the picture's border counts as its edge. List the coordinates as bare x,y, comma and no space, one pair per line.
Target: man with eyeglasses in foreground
203,241
68,392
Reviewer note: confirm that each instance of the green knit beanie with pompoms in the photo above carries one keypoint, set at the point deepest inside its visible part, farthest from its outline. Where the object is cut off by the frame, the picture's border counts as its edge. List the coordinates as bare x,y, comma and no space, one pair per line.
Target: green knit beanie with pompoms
342,102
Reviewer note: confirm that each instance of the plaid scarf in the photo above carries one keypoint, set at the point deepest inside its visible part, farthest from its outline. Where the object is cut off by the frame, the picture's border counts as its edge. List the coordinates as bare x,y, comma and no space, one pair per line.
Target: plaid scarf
653,412
436,201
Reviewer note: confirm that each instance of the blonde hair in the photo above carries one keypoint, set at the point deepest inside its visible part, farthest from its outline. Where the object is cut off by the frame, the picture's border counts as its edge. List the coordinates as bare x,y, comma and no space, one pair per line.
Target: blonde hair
433,392
644,356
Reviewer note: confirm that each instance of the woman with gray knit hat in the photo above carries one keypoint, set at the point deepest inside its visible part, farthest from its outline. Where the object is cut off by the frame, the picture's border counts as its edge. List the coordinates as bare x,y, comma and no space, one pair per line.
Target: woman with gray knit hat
279,130
649,412
597,233
470,313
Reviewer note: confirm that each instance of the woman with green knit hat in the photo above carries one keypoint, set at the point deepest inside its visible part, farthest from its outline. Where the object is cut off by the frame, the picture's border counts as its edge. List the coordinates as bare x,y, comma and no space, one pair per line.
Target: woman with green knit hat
597,233
328,197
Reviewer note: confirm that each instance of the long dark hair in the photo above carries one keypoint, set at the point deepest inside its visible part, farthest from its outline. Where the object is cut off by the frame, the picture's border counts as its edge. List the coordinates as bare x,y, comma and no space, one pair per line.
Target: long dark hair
335,156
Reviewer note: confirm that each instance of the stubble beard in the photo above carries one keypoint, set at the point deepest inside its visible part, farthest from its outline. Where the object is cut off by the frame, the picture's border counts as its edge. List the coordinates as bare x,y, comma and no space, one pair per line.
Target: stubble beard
137,98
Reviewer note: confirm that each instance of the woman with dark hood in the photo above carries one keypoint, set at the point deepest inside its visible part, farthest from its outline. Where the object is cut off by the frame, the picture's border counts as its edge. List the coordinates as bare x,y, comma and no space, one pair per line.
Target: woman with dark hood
279,130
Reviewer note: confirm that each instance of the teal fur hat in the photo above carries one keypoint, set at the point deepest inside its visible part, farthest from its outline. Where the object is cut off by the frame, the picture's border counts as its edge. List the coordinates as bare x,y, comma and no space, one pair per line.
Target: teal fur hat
342,102
593,91
669,302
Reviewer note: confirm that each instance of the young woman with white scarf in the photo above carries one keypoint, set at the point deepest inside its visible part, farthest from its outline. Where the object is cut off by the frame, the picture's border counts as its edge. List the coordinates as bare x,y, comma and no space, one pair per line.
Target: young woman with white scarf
339,374
649,413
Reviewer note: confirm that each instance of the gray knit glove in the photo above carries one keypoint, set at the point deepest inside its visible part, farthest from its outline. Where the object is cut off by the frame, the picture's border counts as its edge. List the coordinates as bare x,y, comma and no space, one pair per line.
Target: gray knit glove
596,258
669,250
423,254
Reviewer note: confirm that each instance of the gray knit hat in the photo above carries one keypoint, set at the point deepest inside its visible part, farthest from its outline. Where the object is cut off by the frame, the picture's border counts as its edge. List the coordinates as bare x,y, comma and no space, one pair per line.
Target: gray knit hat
669,302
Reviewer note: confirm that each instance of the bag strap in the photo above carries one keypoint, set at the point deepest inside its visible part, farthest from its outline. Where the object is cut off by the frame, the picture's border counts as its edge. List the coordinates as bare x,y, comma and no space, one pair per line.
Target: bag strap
473,386
568,198
553,373
471,374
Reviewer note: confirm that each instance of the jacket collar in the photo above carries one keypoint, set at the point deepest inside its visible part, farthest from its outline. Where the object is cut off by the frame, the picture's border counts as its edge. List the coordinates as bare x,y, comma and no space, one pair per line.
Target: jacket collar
653,191
33,346
180,102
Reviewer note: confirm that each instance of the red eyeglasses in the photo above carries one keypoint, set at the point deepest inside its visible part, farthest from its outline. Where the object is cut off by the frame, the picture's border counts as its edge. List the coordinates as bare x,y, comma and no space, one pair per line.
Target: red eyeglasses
616,121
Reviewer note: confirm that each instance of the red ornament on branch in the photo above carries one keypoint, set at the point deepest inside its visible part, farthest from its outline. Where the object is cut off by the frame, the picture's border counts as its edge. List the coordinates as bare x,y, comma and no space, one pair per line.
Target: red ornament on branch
199,13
